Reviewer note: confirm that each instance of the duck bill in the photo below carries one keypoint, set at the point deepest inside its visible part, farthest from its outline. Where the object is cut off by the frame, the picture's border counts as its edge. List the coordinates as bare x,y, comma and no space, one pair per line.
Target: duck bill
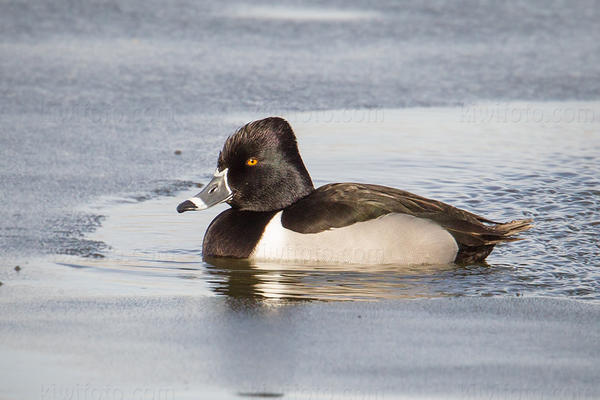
217,191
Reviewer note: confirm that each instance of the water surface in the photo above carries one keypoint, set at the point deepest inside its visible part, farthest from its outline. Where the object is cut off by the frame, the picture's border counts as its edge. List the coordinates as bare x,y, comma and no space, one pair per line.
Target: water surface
112,293
476,158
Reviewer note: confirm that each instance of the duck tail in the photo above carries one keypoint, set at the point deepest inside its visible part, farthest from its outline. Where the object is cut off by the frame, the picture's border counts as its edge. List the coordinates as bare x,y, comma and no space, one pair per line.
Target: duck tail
505,232
470,252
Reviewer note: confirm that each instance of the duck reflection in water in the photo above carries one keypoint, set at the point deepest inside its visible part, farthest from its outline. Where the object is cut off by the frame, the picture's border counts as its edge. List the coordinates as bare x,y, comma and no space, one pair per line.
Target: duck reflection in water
246,279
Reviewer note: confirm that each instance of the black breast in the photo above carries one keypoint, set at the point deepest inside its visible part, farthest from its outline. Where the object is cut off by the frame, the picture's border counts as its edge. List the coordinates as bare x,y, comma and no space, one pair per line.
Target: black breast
235,233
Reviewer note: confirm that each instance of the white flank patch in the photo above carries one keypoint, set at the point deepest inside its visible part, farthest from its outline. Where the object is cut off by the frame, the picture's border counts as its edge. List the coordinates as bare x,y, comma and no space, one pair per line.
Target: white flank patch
390,239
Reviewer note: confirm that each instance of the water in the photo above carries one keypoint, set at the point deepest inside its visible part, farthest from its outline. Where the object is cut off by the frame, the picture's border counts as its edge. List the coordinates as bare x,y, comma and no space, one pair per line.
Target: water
509,170
489,106
96,98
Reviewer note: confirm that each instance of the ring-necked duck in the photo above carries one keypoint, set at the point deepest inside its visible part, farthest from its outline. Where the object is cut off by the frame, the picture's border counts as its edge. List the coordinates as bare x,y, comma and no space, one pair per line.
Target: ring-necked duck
277,214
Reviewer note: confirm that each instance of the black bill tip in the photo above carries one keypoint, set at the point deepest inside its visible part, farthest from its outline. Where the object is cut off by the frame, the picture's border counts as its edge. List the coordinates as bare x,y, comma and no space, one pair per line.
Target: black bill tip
186,206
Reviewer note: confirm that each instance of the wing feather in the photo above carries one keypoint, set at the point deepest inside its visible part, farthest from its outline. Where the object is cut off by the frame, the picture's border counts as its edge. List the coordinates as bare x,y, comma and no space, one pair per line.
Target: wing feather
342,204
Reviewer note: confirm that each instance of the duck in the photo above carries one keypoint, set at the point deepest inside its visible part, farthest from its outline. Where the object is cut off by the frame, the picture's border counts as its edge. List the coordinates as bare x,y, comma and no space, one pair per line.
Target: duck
276,214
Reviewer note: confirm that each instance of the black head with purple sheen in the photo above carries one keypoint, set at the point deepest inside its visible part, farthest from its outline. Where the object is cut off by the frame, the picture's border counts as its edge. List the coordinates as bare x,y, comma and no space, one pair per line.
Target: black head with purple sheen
264,169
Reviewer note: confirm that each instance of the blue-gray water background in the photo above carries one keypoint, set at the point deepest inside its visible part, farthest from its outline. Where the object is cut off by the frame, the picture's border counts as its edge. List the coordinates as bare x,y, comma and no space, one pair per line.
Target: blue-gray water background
97,96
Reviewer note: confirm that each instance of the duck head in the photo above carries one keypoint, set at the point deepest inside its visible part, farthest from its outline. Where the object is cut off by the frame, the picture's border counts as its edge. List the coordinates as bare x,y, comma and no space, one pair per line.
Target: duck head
259,169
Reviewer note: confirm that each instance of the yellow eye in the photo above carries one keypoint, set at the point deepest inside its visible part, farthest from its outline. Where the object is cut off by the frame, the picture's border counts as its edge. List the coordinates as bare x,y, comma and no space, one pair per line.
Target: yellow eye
251,162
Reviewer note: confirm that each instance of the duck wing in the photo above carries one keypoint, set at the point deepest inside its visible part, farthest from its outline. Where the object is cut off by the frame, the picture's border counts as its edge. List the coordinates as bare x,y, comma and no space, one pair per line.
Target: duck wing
342,204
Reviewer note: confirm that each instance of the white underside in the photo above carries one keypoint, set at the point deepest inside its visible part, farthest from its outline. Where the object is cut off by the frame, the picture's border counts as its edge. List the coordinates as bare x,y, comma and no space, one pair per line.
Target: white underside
390,239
